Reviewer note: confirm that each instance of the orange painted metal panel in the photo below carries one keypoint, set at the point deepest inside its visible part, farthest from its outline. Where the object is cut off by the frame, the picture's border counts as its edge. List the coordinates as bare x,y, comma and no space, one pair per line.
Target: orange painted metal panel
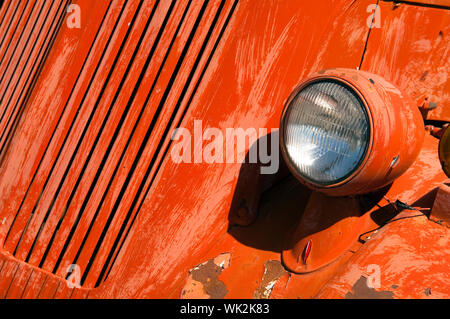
211,12
251,52
412,255
5,15
80,294
63,291
253,246
97,115
24,64
55,96
410,49
85,170
12,25
65,171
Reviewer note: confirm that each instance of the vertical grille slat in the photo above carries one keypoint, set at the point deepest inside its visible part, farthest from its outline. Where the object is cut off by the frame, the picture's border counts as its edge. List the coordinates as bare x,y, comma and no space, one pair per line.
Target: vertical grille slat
103,168
37,62
7,273
27,63
111,136
11,31
34,284
3,12
19,282
16,51
76,150
28,50
173,70
49,169
8,125
76,211
145,186
147,166
8,12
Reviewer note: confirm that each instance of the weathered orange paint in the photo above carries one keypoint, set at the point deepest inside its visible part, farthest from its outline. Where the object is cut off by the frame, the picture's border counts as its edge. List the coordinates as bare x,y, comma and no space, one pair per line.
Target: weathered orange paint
410,50
412,256
283,206
331,235
112,199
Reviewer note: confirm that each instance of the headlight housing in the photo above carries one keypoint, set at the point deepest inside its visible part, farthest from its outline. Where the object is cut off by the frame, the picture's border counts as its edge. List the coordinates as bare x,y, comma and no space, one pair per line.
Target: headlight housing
345,132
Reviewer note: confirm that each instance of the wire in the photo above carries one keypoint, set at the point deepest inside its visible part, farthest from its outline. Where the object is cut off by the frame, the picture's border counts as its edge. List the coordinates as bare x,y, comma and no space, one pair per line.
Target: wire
397,205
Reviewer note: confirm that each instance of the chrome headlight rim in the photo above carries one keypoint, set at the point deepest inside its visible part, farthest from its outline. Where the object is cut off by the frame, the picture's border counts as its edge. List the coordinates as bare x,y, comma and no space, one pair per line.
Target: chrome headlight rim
368,149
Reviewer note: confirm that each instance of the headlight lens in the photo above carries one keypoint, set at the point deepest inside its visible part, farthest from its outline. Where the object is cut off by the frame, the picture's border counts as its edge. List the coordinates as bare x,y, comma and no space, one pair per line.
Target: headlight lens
326,132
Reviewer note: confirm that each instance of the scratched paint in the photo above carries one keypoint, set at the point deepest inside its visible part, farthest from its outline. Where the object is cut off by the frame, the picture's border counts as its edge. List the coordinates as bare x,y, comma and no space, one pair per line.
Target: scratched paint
266,49
411,50
290,65
409,259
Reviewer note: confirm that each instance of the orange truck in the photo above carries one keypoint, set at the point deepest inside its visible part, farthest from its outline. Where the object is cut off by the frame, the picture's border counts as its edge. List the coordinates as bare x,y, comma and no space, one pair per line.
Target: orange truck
224,149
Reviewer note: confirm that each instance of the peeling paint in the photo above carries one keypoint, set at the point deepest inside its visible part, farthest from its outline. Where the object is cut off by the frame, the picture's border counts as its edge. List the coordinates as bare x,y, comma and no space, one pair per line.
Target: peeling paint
203,282
362,291
274,270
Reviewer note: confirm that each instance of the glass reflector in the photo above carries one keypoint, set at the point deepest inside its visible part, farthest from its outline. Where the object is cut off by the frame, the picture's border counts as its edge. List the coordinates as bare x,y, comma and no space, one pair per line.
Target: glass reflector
326,132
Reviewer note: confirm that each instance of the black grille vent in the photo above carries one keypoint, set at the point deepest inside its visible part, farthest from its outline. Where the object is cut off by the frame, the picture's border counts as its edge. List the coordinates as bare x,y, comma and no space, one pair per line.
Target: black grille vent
142,71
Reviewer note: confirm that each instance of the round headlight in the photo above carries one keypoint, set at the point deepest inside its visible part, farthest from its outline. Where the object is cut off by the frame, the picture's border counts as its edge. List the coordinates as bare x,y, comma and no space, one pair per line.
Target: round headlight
326,132
346,132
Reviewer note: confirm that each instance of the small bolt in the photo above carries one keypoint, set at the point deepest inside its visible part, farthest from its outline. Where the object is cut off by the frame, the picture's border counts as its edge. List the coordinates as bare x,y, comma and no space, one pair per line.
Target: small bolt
242,212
